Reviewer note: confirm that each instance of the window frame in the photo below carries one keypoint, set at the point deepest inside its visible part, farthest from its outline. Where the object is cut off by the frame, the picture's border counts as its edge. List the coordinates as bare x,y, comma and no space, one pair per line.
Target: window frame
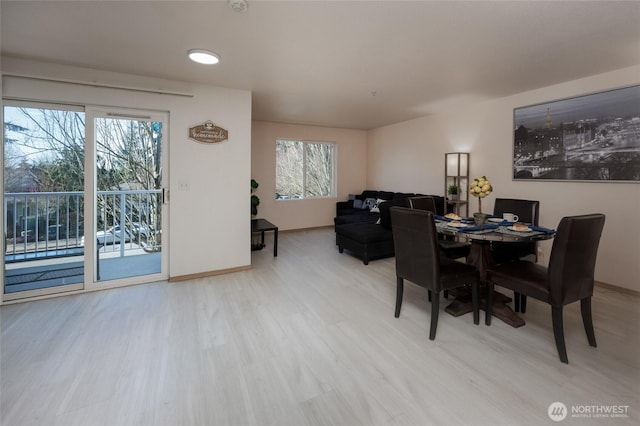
334,168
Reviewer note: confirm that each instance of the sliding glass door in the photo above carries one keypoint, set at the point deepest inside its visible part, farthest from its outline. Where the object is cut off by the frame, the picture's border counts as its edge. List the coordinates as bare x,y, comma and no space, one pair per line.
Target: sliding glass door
44,178
129,200
83,198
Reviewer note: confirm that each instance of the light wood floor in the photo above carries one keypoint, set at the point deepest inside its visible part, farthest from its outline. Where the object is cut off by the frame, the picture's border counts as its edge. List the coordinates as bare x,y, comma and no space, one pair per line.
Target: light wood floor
307,338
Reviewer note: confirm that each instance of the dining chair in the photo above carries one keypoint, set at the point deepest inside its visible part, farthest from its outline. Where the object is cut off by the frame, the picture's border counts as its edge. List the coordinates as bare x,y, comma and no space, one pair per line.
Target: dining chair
568,278
528,211
450,248
418,260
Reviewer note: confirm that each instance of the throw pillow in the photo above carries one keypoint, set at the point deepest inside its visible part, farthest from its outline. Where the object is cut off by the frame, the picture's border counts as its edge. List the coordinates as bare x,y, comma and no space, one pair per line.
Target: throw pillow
351,197
369,203
376,206
357,204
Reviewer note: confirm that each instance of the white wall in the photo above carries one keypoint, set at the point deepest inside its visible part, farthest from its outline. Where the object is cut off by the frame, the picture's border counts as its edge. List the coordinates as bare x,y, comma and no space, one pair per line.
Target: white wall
409,156
208,229
298,214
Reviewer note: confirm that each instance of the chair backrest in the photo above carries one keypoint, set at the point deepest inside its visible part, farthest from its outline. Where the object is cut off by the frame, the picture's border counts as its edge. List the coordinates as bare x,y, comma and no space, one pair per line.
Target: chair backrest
385,214
416,247
573,258
527,210
423,203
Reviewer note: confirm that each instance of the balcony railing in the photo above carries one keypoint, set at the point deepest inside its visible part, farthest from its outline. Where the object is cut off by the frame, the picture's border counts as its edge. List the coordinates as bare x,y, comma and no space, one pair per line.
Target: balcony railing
51,224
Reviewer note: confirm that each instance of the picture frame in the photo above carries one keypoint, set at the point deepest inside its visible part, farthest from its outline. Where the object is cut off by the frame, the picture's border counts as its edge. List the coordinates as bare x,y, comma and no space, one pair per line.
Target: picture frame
591,138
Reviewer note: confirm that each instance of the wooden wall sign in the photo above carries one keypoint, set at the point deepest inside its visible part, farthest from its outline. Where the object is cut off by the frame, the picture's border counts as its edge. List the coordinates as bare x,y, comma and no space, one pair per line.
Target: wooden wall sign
208,133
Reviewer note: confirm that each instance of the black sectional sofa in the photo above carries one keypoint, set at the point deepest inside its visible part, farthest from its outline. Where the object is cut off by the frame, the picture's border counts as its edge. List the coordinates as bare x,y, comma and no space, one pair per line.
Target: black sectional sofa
366,233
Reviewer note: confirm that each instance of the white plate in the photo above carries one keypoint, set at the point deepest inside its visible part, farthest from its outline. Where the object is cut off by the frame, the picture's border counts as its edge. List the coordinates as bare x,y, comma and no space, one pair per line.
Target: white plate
495,219
511,228
457,225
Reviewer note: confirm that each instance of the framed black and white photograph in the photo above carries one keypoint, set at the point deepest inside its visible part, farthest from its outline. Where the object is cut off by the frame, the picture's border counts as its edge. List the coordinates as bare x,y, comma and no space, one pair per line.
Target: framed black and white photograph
593,137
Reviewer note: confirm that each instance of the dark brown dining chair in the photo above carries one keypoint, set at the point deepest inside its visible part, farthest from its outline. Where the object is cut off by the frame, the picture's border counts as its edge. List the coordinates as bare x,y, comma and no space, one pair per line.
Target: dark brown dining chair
528,211
450,248
568,278
423,202
418,260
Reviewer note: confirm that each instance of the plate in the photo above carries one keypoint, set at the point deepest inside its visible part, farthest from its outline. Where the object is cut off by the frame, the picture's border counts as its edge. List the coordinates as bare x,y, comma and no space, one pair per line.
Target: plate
511,228
495,219
458,225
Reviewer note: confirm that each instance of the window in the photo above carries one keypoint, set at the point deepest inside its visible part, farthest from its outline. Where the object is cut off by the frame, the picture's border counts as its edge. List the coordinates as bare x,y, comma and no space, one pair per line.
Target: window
304,169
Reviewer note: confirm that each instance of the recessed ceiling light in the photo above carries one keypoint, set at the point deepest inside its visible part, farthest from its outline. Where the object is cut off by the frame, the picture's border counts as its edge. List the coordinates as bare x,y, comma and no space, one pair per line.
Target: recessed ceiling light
203,56
238,5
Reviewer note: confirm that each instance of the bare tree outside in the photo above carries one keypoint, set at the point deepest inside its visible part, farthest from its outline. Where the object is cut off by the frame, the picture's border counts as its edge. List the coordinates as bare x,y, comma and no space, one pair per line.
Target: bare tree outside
289,169
304,169
319,169
128,155
44,152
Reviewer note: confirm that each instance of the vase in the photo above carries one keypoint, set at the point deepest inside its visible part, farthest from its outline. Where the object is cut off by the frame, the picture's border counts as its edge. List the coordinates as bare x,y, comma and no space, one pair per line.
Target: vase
480,218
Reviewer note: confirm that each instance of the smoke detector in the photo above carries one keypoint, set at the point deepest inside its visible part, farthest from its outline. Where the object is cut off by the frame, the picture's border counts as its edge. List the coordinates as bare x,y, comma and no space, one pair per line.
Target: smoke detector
238,5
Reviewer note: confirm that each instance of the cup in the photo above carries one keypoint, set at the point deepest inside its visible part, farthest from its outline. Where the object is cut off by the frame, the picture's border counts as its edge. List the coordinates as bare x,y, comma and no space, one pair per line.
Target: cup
510,217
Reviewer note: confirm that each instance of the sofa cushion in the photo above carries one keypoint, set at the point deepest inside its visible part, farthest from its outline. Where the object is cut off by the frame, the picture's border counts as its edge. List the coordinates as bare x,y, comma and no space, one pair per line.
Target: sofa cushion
361,216
364,232
399,195
385,195
367,194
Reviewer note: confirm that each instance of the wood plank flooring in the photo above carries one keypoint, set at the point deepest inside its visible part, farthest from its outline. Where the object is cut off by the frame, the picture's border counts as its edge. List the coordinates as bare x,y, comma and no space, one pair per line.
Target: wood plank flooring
307,338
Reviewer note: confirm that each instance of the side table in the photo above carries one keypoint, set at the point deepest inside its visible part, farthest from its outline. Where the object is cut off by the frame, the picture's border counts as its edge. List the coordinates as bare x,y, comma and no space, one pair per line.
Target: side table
262,225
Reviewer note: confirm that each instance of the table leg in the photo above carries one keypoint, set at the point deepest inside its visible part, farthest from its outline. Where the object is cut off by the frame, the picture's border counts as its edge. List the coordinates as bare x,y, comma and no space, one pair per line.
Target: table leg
275,242
480,257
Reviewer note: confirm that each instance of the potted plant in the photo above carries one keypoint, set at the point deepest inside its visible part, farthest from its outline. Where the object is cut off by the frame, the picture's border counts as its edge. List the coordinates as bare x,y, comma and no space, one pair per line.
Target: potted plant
254,198
453,192
480,188
255,201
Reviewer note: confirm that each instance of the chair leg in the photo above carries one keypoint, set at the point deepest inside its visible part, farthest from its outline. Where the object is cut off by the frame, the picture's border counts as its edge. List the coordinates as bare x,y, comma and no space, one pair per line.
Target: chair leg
429,295
435,308
446,294
516,301
523,303
558,332
475,300
489,304
399,291
585,309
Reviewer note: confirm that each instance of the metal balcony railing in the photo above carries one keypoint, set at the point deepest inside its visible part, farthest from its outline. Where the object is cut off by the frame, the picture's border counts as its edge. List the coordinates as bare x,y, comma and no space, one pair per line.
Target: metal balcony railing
51,224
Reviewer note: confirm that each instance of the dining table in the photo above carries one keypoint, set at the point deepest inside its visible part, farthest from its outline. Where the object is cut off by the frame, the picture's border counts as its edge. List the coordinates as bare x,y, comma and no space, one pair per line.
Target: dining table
480,237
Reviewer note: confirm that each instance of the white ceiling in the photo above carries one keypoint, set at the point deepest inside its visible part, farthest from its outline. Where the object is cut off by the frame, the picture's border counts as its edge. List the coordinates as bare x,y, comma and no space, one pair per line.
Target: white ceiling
332,63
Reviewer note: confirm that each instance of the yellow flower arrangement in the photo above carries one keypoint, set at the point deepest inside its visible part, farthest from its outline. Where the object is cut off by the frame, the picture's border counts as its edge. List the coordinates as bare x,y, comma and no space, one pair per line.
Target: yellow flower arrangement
480,187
